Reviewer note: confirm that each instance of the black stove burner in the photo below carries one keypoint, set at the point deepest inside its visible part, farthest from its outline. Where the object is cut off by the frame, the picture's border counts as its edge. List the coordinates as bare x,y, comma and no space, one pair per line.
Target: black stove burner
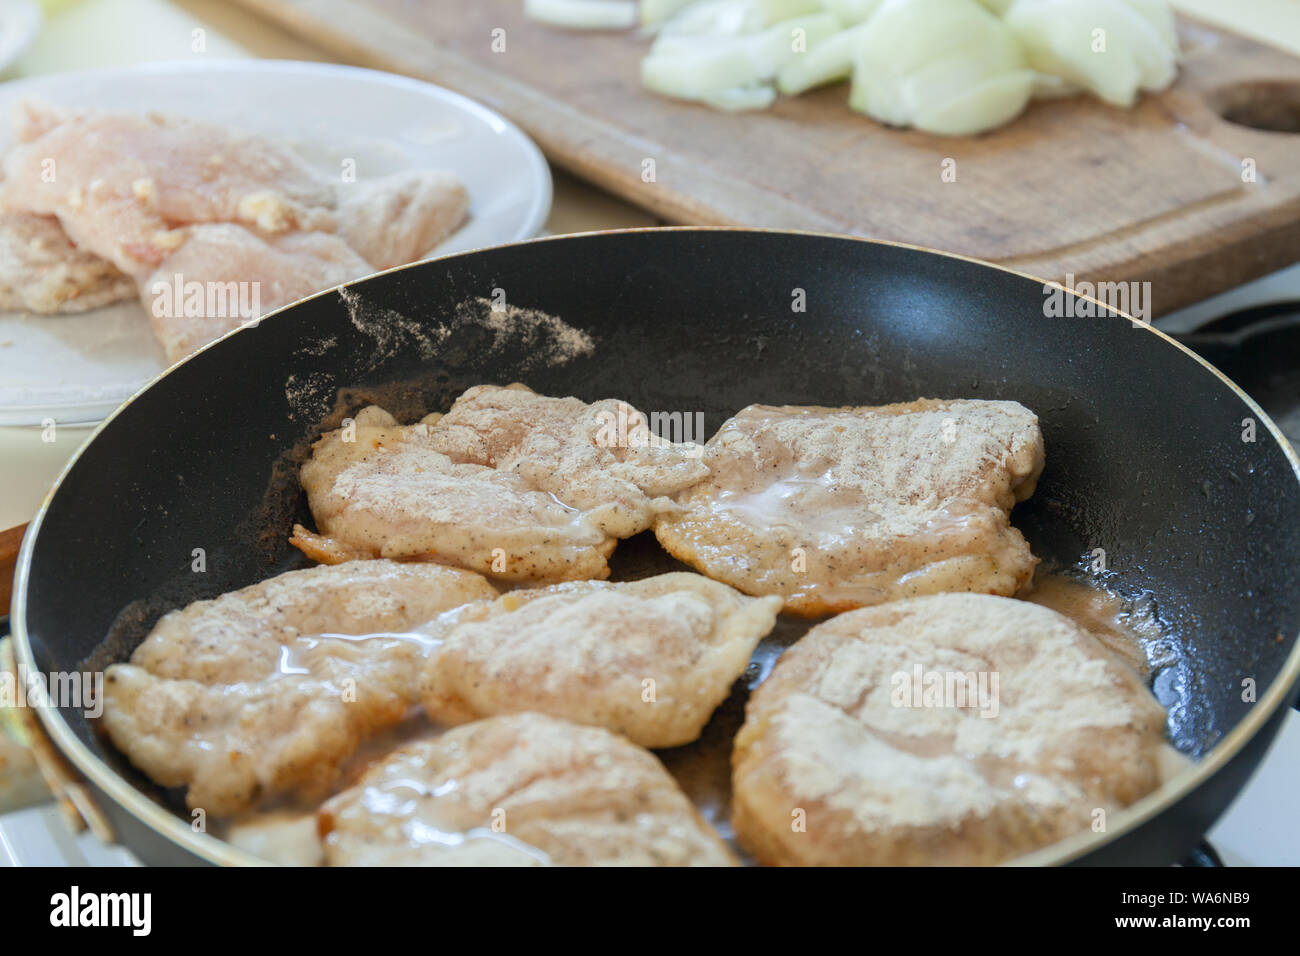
1259,349
1203,855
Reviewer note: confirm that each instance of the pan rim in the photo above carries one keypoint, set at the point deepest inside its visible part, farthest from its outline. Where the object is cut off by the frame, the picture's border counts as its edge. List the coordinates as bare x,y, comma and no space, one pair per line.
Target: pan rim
216,851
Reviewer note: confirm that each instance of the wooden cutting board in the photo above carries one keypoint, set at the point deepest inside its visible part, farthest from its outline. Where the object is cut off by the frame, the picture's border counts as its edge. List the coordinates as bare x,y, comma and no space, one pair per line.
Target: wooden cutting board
1156,194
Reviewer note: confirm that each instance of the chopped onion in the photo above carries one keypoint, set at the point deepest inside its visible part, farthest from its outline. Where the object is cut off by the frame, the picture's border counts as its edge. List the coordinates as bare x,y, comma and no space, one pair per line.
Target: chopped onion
717,18
1048,87
584,14
944,66
714,68
1160,15
851,12
1113,48
697,78
949,67
827,62
985,106
758,97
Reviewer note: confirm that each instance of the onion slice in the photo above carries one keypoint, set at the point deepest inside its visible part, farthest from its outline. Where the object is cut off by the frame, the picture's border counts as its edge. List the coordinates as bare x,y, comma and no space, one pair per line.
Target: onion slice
948,67
584,14
1113,48
851,12
828,62
717,18
733,70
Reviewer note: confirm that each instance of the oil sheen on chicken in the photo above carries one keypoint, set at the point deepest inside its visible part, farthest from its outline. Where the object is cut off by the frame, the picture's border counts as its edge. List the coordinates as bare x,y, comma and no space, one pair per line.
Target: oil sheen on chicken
837,508
266,691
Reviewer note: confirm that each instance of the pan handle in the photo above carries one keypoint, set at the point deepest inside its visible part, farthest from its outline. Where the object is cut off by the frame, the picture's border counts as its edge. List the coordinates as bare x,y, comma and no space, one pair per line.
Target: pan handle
71,794
10,541
69,790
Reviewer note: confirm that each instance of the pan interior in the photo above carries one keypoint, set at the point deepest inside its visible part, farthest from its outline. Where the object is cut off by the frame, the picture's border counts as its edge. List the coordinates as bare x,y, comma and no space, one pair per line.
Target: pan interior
1151,458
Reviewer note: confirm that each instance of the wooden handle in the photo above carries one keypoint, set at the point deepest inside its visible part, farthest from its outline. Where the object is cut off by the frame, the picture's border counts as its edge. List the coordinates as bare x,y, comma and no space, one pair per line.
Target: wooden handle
10,541
71,794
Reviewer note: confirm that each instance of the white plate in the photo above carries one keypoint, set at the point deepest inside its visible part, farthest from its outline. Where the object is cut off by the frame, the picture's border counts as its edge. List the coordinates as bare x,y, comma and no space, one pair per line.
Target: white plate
79,368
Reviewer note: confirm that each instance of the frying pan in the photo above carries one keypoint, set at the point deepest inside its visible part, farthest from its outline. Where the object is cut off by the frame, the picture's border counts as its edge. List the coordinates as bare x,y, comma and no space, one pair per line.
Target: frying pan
1146,460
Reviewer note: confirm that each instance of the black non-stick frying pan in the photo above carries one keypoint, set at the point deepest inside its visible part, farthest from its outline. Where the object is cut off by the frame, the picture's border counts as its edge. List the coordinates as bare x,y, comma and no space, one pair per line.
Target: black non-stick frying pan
1148,459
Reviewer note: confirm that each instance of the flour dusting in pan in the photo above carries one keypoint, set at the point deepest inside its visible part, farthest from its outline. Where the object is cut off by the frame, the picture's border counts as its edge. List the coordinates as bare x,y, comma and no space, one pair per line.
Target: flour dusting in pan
474,330
391,331
549,339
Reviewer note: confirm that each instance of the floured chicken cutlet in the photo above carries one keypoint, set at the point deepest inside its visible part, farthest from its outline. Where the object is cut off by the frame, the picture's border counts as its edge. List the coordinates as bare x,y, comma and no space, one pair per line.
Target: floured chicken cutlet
838,508
400,218
266,691
519,790
179,202
42,271
509,483
577,452
649,659
126,183
234,261
950,729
